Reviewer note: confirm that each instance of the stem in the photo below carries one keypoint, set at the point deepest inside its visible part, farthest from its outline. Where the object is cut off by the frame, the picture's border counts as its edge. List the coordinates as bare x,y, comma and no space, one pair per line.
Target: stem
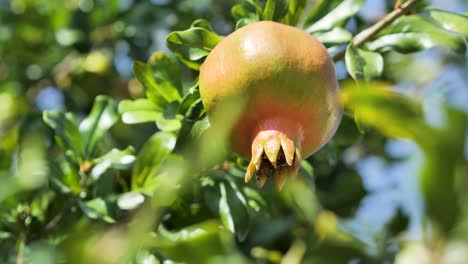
20,248
84,178
367,34
55,220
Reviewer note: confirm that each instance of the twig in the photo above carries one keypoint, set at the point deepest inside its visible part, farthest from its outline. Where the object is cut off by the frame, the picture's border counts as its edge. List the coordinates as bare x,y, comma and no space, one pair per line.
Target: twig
367,34
20,248
55,220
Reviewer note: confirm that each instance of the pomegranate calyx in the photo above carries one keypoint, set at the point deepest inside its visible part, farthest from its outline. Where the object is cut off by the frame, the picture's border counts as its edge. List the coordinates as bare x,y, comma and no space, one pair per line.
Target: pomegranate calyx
275,155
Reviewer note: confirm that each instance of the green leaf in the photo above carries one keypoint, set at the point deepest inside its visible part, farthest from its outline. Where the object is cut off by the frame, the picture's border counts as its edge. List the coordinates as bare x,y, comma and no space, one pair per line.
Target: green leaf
97,209
5,235
225,212
191,130
362,64
199,243
66,129
255,200
275,10
233,210
169,124
320,9
335,36
130,200
170,120
191,106
307,169
145,257
335,17
93,128
150,158
257,4
394,114
159,93
445,163
414,33
199,127
245,13
191,46
167,183
40,203
448,20
139,111
202,23
244,22
31,167
116,159
295,9
166,73
301,197
245,10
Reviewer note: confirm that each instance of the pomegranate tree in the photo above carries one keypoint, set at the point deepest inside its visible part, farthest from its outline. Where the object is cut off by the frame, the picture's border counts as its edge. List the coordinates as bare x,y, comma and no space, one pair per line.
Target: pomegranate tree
288,80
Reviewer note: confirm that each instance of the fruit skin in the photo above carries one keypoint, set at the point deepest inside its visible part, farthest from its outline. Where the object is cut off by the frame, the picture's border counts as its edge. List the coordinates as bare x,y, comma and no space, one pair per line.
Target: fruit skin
288,81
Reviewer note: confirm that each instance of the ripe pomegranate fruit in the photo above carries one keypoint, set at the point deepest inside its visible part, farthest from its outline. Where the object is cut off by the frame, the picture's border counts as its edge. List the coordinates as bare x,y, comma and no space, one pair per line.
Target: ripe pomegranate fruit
289,84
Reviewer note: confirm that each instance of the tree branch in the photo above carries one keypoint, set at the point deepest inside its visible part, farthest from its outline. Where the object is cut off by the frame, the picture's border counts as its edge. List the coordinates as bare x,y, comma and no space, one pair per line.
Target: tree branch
367,34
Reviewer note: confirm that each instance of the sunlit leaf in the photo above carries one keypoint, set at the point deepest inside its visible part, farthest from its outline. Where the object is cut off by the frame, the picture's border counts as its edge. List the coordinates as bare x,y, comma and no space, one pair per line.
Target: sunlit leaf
66,129
116,159
40,203
191,46
244,22
245,10
202,23
390,112
130,200
151,156
275,10
362,64
294,11
335,36
307,169
199,127
97,209
199,242
169,123
5,235
158,91
448,20
320,9
166,73
139,111
145,257
233,210
335,17
102,117
414,33
32,167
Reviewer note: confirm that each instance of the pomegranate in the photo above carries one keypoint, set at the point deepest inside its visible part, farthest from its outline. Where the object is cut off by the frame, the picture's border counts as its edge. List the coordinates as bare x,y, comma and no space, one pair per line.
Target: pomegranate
289,84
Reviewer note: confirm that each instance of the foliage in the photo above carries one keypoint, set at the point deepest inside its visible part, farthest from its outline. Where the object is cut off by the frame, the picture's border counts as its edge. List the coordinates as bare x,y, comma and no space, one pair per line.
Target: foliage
99,165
